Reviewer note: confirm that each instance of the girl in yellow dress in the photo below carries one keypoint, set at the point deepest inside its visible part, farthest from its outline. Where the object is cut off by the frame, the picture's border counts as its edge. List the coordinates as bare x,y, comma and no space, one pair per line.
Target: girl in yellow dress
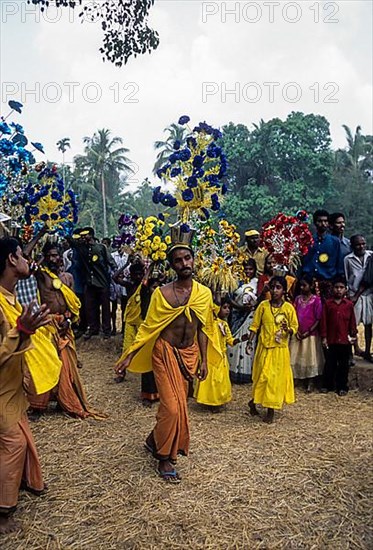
216,390
275,320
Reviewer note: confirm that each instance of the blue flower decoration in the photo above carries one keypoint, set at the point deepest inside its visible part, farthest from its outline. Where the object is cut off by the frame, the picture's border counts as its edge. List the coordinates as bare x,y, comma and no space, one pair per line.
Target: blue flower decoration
4,128
184,119
15,106
175,172
38,146
192,181
177,145
173,157
205,212
224,189
7,148
198,161
184,228
15,166
17,128
187,195
20,140
185,154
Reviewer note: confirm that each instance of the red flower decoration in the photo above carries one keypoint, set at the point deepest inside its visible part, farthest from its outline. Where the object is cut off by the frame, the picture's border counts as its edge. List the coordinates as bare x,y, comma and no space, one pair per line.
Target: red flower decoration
287,238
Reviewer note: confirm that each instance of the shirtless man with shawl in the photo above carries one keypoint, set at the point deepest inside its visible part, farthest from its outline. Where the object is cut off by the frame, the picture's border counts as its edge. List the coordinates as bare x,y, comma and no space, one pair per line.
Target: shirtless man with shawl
56,291
177,340
19,461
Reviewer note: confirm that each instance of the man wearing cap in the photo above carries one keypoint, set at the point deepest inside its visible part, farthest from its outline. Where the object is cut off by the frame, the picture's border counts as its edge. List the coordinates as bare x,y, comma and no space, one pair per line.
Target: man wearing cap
177,341
251,249
96,261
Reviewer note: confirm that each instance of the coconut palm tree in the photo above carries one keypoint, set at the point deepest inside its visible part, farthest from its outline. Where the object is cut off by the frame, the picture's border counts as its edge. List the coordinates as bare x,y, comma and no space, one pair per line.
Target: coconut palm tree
104,165
357,158
62,145
166,147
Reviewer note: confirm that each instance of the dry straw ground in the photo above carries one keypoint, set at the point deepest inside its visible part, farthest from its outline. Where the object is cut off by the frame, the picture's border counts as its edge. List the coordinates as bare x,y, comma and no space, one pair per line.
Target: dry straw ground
303,483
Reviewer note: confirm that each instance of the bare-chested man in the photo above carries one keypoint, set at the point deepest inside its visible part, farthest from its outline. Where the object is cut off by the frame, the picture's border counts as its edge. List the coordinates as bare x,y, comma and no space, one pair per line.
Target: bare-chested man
174,340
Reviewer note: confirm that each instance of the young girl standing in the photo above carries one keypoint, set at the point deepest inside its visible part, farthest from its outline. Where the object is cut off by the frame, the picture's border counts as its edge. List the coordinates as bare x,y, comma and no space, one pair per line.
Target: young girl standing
307,359
216,390
276,320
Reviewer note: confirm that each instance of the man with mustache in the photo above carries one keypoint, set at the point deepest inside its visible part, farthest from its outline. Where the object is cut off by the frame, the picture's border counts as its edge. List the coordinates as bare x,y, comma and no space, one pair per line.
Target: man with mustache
176,340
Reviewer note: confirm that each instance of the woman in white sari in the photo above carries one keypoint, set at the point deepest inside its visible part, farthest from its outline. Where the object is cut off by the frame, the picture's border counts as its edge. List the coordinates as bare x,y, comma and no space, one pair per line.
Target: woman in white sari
243,304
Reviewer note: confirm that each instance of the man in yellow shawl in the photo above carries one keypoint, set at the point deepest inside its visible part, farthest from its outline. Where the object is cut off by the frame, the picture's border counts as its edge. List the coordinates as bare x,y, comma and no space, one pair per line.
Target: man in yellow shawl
55,291
19,461
177,340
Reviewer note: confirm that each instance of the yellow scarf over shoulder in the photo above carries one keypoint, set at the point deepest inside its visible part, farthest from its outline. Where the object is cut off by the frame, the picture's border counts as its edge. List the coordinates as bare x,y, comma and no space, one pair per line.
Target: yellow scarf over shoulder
161,314
42,361
71,299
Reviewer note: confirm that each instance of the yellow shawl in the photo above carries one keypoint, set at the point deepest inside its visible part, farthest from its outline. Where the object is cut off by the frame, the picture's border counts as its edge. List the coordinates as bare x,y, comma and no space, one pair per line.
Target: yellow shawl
161,314
71,299
42,361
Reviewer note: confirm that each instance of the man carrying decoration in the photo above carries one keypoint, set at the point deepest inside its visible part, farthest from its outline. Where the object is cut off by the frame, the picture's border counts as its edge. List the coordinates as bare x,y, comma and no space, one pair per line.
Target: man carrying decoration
174,340
177,337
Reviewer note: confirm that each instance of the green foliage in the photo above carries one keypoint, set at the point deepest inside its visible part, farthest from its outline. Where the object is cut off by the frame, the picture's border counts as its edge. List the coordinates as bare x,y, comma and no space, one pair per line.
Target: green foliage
279,166
99,178
353,183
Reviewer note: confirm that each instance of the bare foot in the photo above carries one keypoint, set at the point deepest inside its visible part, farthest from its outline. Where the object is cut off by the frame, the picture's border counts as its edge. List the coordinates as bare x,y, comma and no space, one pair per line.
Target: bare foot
268,419
8,525
252,408
147,403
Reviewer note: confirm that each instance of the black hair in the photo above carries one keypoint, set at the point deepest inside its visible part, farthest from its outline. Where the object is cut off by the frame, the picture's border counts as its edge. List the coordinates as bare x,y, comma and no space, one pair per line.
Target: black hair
265,263
334,217
170,254
355,237
137,268
8,245
51,246
225,300
307,278
280,280
318,213
339,279
251,263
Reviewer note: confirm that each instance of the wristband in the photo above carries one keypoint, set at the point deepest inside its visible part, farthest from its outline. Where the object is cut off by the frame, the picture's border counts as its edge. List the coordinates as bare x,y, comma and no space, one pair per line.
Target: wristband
21,328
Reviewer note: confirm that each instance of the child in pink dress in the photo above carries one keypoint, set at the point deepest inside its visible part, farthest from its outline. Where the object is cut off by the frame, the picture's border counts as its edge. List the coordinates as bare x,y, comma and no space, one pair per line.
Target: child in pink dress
307,358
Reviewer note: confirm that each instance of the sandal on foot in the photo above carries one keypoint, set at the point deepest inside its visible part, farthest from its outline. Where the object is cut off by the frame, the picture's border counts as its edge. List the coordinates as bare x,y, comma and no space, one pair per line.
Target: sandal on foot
170,477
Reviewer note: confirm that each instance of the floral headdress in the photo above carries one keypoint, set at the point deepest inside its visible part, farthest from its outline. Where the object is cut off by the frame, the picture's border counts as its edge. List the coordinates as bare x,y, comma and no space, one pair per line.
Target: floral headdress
127,227
15,159
195,170
47,203
218,259
151,240
287,238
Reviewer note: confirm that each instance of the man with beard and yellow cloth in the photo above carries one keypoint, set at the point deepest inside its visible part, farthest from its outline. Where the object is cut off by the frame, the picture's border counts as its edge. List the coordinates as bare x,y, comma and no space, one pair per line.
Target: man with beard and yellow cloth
24,344
54,289
177,340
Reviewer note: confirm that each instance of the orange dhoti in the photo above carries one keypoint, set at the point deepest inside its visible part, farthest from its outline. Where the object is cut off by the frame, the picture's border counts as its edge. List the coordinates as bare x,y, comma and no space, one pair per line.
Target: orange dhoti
19,465
171,433
70,393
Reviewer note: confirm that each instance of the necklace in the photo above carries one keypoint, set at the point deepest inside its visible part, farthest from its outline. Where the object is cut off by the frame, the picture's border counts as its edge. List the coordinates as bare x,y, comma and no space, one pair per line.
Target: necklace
186,299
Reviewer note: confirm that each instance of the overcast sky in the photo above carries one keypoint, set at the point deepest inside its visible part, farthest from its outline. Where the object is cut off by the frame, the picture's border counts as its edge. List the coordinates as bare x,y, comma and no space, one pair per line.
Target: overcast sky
322,48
